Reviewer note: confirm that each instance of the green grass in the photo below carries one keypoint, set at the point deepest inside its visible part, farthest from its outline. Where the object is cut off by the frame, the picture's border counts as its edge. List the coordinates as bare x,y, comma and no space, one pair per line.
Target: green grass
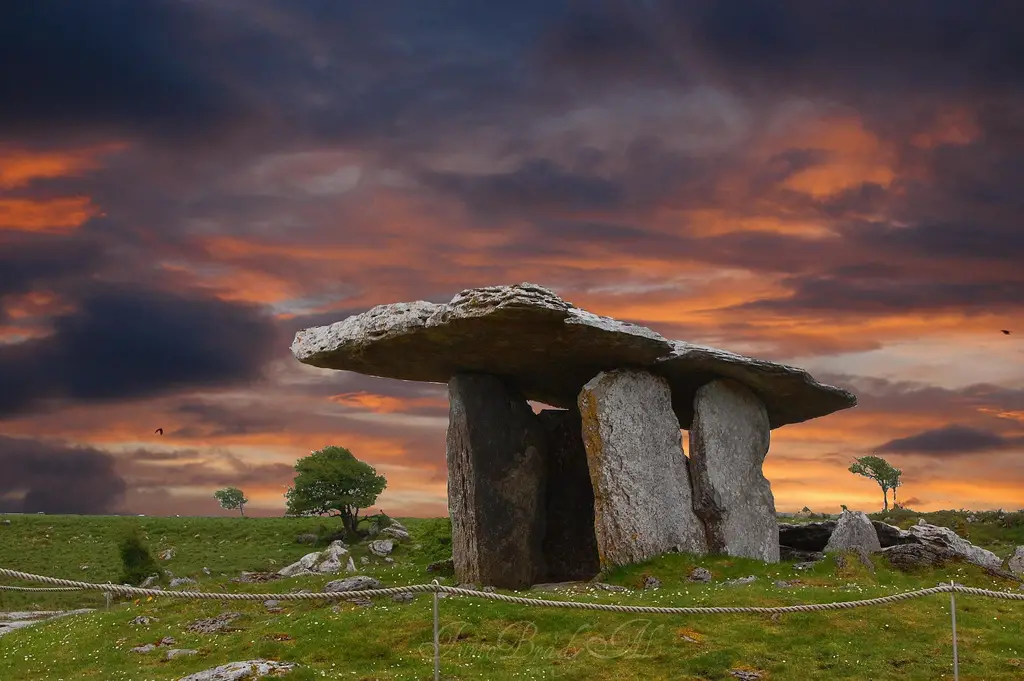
488,640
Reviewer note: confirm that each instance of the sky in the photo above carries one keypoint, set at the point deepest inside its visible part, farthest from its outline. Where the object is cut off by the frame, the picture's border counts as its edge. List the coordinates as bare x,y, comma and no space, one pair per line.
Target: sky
184,184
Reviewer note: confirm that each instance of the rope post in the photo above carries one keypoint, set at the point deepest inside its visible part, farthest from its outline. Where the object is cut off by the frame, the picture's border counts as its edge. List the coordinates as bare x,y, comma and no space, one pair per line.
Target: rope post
952,611
437,639
108,597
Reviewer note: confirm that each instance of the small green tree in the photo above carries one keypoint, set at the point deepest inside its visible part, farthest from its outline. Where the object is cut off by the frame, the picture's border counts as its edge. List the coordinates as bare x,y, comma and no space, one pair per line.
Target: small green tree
333,481
882,472
137,562
231,498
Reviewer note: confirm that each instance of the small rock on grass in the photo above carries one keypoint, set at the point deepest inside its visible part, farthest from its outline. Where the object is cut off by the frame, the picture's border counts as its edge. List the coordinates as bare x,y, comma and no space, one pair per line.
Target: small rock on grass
700,574
745,674
272,605
741,581
403,598
651,582
180,652
211,625
239,671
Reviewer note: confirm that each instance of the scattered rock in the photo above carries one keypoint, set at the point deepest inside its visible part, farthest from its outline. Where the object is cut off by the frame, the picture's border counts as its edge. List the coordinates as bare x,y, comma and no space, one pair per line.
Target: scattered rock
642,504
273,605
396,532
853,531
255,577
308,538
403,598
700,574
745,674
784,584
212,625
206,571
143,620
728,443
806,536
148,582
911,557
182,581
741,581
167,641
242,671
389,559
167,554
356,583
9,621
789,553
83,567
805,566
5,521
446,566
920,521
364,560
489,589
180,652
945,538
327,561
1016,562
381,547
651,582
360,602
971,519
147,648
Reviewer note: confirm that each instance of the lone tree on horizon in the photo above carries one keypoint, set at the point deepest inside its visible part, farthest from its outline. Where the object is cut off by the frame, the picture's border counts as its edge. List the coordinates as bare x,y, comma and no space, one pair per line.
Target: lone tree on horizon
882,472
231,498
333,480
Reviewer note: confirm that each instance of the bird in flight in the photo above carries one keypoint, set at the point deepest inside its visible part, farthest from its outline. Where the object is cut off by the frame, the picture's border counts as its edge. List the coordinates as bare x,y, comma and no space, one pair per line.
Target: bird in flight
1005,332
159,431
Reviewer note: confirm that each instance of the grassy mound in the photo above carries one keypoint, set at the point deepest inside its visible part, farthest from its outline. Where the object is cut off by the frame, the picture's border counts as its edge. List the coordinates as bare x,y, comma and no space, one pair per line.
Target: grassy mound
490,640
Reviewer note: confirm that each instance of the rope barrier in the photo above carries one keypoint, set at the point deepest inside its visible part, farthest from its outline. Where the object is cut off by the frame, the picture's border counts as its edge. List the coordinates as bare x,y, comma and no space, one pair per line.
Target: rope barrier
120,589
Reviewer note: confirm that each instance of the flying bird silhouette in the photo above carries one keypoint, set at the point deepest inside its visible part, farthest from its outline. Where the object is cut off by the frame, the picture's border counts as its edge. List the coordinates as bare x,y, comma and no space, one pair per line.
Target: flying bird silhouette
159,431
1005,332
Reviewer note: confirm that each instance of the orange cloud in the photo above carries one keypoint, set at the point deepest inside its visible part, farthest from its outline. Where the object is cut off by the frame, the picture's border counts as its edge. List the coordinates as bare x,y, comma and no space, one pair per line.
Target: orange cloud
19,167
53,215
384,404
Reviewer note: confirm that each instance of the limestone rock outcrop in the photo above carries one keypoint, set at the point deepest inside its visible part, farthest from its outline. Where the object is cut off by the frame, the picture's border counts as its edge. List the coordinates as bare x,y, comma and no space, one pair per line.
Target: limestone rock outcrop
642,497
547,349
853,531
728,443
496,475
945,538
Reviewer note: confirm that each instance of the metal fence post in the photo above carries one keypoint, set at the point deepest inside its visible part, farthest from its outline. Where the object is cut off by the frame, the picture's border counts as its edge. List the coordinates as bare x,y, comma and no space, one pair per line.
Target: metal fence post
952,610
437,640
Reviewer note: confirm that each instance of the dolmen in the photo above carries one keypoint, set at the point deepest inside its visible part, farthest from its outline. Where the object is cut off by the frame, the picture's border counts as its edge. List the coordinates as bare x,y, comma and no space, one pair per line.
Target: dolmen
601,479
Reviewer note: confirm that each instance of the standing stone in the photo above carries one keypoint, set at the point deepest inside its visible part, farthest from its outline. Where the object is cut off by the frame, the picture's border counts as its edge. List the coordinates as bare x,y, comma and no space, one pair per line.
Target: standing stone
1016,562
854,531
495,483
641,483
570,545
728,443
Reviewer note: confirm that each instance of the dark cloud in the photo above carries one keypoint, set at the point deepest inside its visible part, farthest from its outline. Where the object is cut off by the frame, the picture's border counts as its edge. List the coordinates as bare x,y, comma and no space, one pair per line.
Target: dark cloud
55,478
146,470
950,440
118,66
33,261
124,342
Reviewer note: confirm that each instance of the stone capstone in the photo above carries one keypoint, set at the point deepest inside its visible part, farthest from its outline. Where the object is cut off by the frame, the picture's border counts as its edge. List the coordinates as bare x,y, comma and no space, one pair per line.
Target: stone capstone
728,443
806,536
641,482
496,475
547,349
854,531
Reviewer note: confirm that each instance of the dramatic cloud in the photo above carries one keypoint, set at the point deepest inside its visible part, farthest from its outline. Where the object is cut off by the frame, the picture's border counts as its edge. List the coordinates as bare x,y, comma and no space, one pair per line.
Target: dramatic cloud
55,478
953,440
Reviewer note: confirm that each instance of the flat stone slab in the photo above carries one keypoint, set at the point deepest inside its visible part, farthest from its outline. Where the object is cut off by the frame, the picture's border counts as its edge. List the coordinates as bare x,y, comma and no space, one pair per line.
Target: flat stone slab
548,349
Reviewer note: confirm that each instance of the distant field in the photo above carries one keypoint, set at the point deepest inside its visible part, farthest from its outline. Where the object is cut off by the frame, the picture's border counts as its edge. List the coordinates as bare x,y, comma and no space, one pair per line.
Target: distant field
487,640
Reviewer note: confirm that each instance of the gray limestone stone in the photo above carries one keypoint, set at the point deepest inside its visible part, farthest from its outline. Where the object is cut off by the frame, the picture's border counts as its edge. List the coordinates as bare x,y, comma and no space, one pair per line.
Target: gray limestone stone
237,671
1016,562
853,531
945,538
570,545
496,489
547,349
728,443
641,482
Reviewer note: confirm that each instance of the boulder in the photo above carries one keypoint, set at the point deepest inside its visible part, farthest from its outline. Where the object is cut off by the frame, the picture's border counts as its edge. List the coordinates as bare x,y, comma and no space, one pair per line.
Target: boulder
853,531
1016,562
890,535
945,538
547,349
806,536
356,583
570,544
174,653
182,581
700,574
641,483
496,486
396,532
381,547
242,671
213,625
328,561
728,443
911,557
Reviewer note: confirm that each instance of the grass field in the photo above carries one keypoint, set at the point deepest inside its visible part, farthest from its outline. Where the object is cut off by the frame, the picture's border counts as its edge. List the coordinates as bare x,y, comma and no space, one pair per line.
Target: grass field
487,640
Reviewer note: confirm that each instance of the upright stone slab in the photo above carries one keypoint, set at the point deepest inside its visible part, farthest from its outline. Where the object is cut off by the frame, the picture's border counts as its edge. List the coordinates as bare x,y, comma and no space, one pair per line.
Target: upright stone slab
570,545
728,443
495,483
641,483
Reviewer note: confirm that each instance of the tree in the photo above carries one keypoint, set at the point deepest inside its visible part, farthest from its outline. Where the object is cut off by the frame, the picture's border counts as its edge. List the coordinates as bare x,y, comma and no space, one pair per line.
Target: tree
333,481
882,472
137,562
231,498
